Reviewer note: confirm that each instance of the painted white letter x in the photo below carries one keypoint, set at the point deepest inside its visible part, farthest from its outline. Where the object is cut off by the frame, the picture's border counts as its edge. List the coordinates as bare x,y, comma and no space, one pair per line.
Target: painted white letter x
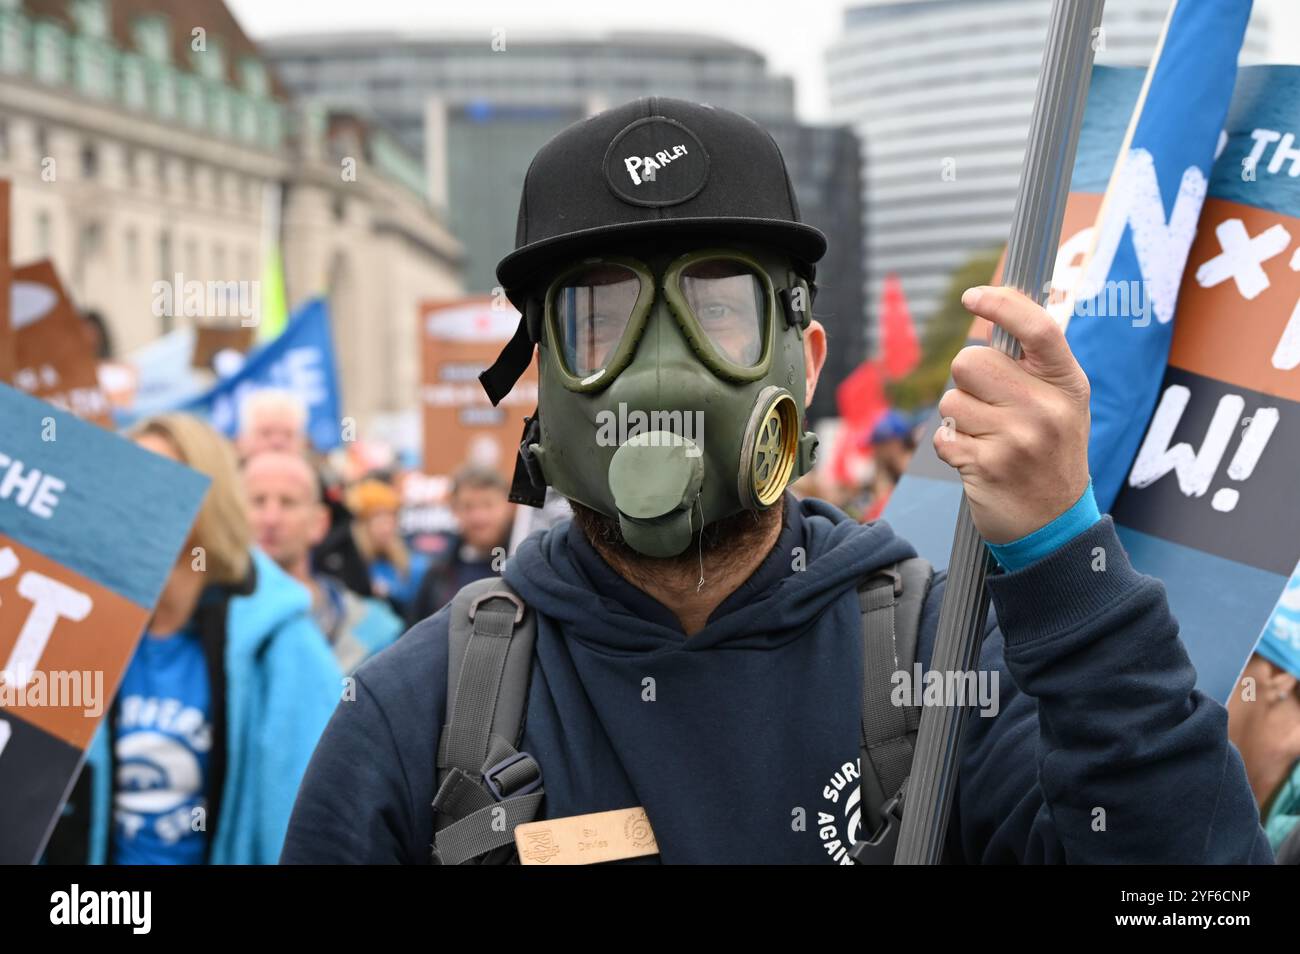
1242,257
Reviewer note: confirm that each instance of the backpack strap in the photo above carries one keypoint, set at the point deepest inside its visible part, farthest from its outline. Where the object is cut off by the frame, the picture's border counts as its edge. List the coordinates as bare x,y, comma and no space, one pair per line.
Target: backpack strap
891,600
485,785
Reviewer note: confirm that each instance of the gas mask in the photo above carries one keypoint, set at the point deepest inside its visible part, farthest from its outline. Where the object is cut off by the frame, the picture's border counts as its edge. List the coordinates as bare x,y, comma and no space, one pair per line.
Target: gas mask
666,279
672,387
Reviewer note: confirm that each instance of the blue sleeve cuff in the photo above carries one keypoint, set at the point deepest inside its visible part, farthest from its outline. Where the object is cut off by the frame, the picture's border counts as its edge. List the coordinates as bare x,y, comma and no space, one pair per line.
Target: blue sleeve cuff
1032,548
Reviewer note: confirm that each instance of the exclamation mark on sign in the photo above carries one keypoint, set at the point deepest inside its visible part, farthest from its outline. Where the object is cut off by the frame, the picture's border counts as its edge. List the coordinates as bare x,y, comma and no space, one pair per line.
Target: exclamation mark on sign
1253,442
1286,356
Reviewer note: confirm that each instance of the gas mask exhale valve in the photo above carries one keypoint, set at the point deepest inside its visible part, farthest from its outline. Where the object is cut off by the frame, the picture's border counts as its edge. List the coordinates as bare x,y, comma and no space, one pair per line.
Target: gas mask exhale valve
655,479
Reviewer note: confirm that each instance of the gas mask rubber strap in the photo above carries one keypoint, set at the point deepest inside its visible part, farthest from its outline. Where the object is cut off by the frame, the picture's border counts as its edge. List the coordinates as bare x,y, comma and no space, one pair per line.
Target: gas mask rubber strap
509,365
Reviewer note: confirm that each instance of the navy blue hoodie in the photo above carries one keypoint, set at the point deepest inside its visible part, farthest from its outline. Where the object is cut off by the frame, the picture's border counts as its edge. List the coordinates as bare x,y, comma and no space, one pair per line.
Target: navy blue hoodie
1101,751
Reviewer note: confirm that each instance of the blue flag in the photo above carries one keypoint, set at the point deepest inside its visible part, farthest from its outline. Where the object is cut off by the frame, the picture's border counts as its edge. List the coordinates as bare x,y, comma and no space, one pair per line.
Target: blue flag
300,360
1121,322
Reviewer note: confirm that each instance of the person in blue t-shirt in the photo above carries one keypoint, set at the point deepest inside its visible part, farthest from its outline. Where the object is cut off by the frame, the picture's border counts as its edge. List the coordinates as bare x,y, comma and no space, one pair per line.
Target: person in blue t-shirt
220,707
162,739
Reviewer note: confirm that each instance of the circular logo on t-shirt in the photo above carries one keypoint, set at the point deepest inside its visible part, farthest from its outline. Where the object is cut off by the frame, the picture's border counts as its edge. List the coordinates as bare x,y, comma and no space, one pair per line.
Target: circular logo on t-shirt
656,161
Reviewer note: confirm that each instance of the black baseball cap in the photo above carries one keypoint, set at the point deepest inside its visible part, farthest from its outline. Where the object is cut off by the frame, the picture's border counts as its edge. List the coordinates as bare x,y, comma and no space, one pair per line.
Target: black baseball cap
655,164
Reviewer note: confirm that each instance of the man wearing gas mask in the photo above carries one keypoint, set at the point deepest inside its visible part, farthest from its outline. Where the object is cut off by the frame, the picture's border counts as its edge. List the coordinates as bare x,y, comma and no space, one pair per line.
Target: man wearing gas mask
698,667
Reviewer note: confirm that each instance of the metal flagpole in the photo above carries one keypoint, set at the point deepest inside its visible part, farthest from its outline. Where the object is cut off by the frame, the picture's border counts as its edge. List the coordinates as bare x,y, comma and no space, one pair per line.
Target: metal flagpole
1031,253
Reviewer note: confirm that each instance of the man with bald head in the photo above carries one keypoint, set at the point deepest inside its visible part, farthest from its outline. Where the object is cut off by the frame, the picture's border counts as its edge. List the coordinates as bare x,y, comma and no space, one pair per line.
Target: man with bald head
289,518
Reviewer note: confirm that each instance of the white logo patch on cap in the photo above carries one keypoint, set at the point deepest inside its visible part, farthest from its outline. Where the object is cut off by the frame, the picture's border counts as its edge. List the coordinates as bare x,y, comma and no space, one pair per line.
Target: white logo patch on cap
656,161
647,165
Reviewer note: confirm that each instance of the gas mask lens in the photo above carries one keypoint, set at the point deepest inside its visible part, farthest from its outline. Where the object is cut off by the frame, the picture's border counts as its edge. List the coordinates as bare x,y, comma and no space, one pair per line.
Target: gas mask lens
592,308
727,300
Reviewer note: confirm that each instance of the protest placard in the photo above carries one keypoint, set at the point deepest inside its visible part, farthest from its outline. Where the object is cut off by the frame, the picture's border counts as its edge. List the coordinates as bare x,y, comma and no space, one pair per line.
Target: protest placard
1207,501
90,527
458,340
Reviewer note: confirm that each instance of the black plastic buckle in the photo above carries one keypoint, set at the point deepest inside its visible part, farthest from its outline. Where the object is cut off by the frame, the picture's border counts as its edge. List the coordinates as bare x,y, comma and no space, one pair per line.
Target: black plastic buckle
532,434
489,778
794,317
880,848
498,595
528,485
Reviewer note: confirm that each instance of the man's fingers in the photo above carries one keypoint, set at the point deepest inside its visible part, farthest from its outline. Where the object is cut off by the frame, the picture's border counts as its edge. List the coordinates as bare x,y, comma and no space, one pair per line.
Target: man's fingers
957,450
989,375
964,413
1041,338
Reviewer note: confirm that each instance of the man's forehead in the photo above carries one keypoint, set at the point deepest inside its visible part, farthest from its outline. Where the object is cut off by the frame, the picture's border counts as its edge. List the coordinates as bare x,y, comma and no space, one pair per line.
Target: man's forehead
274,417
281,469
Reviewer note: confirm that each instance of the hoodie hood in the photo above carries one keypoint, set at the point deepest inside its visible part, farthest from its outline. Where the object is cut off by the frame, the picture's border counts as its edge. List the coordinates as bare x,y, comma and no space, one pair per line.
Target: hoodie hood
275,600
820,553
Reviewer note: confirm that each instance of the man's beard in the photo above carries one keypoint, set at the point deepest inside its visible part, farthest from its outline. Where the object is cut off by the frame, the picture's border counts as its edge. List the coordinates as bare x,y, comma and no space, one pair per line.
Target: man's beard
720,544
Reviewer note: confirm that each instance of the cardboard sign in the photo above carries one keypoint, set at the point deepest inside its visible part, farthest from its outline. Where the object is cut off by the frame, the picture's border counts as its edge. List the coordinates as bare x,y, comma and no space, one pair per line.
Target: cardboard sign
90,528
55,358
1208,502
212,340
458,340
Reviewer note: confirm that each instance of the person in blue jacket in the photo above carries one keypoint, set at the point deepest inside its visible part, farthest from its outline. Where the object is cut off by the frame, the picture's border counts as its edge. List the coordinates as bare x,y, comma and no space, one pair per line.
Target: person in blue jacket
289,518
698,649
217,714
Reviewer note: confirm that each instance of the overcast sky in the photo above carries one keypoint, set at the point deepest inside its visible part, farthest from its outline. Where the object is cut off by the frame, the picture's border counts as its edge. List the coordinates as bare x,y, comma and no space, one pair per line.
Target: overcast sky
792,33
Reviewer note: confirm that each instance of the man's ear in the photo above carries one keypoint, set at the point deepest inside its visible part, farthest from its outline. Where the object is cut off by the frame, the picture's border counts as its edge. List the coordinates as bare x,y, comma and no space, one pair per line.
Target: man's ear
814,357
1279,683
1272,682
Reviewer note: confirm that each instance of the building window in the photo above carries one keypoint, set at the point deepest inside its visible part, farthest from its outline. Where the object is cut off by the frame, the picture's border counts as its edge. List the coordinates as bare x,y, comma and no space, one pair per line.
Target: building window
88,244
210,63
165,255
132,246
152,38
165,274
91,17
253,78
89,161
44,235
42,140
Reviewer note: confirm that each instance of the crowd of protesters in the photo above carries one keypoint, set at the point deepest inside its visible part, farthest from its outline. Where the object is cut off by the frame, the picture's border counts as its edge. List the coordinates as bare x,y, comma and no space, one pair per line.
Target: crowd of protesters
290,579
293,576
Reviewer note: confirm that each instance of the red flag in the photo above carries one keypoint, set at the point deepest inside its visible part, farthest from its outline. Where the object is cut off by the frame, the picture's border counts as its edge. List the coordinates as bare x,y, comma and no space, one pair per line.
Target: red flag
861,400
861,396
902,352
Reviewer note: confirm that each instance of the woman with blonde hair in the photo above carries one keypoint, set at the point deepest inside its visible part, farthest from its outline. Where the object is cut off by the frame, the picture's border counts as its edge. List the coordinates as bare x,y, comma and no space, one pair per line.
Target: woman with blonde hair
223,702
